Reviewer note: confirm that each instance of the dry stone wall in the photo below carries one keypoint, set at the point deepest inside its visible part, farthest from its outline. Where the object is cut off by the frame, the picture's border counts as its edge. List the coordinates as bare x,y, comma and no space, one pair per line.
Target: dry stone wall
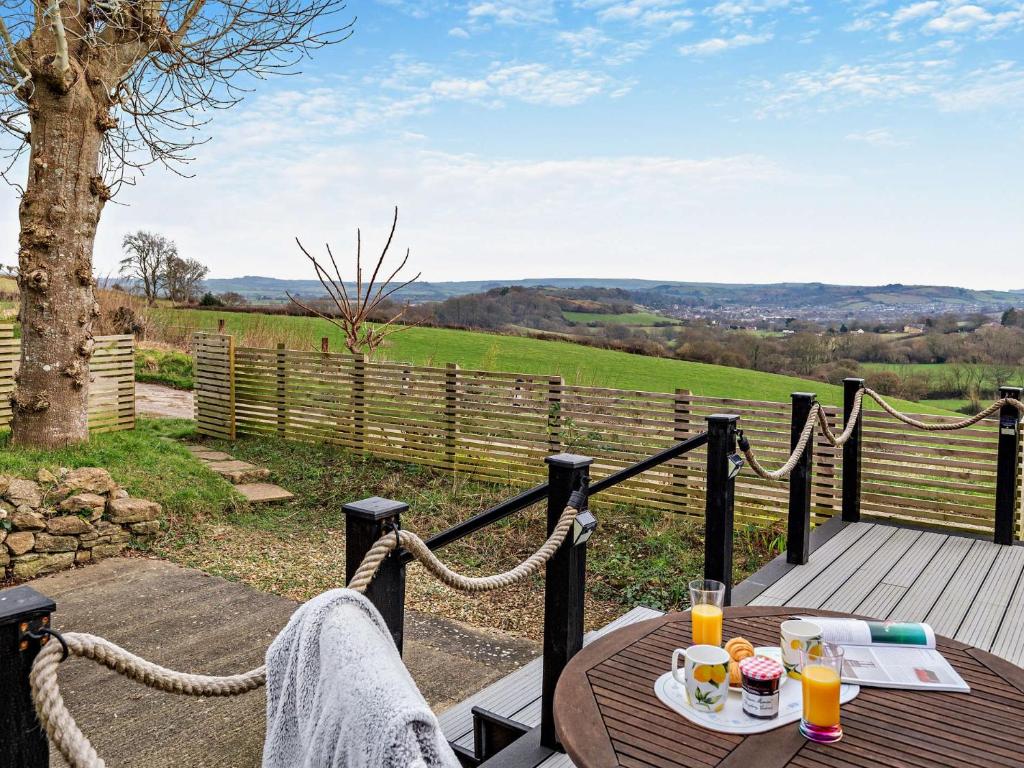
75,516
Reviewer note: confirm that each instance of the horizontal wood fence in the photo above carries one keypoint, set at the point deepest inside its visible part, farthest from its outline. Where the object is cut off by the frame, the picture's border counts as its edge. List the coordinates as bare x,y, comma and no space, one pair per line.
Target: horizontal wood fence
111,380
499,427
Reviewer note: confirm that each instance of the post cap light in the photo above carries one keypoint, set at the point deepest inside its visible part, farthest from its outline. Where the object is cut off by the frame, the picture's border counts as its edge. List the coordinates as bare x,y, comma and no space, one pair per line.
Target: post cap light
735,465
583,526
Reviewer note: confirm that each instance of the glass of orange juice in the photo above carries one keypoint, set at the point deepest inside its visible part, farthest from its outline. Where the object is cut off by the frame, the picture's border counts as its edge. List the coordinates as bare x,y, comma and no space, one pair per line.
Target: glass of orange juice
820,680
706,599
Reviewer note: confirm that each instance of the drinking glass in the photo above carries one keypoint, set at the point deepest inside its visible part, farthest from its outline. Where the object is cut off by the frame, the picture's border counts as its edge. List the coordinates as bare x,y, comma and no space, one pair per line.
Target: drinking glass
706,600
821,678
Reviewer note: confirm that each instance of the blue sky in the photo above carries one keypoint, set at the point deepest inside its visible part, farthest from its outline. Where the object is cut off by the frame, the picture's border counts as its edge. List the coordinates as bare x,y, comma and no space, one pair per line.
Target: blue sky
858,142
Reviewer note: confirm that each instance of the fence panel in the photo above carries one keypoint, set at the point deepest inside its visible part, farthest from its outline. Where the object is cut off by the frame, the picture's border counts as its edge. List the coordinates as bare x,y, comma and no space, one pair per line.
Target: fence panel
111,380
500,426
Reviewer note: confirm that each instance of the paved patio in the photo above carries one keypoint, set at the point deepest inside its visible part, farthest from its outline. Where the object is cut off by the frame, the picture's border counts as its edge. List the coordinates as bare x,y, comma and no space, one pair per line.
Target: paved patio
188,620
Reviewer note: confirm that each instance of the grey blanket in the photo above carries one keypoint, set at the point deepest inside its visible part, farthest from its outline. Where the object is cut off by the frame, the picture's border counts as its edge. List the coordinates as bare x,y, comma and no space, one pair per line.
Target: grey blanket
339,696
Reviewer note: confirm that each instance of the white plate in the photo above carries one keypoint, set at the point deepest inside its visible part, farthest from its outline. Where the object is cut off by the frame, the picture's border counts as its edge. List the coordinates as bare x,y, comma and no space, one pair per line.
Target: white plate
772,652
732,718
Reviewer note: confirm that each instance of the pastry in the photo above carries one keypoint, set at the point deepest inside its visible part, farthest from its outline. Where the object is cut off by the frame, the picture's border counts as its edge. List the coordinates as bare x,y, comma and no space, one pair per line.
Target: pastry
739,648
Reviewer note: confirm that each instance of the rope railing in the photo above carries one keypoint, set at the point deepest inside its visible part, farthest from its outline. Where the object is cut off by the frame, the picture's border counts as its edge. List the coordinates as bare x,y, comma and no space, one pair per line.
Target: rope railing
75,746
817,416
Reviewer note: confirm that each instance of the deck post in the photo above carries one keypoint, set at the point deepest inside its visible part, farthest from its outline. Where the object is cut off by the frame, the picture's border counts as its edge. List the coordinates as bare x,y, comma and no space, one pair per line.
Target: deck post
719,500
798,532
852,452
1008,468
564,583
23,741
365,522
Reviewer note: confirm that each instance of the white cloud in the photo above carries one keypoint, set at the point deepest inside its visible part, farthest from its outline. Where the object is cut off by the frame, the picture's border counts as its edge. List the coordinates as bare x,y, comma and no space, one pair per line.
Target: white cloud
512,12
592,43
996,86
530,83
458,32
876,137
915,11
715,45
660,16
960,18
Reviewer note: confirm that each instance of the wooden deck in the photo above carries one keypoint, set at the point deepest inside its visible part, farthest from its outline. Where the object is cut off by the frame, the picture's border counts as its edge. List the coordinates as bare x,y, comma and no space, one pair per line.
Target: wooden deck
517,696
968,589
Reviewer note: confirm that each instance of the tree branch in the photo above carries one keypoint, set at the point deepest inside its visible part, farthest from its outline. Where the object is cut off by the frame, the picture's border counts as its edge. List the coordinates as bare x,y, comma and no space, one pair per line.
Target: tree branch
12,53
61,61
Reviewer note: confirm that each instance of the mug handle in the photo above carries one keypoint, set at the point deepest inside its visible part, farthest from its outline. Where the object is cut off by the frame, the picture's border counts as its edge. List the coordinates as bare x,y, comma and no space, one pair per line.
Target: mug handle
675,665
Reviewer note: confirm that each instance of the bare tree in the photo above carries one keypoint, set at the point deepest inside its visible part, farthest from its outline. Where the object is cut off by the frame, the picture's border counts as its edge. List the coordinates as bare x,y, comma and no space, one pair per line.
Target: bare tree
94,89
183,278
146,255
354,311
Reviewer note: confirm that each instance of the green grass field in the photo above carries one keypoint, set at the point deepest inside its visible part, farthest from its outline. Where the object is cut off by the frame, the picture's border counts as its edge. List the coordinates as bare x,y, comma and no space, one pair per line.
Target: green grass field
627,318
576,363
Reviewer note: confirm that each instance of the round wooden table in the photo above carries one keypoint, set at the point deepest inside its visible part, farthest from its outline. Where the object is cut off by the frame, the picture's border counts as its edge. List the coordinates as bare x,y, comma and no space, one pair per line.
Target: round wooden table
607,714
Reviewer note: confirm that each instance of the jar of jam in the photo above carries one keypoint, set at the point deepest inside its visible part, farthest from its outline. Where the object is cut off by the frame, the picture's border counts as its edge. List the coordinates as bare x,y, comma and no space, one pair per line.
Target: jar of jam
761,677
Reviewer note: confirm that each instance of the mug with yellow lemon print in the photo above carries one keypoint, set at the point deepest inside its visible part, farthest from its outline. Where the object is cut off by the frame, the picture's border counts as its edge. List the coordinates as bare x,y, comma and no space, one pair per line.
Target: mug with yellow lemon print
706,676
799,637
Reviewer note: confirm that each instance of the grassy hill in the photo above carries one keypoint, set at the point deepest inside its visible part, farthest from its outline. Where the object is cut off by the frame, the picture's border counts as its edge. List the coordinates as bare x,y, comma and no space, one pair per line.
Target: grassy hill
639,319
483,351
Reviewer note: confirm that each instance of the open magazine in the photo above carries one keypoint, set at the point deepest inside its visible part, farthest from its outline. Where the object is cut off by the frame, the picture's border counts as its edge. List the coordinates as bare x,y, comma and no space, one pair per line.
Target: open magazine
888,654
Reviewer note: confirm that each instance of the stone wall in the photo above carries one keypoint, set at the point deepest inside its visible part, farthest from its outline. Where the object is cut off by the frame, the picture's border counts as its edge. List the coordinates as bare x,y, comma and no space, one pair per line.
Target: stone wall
75,516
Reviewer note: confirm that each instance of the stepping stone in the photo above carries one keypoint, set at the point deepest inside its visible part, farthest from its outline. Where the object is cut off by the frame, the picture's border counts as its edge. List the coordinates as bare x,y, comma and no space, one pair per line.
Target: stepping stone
212,455
239,472
264,493
195,448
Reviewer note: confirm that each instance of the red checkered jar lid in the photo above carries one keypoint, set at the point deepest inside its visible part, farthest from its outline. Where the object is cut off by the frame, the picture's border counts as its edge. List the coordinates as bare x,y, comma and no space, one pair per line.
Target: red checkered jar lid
760,668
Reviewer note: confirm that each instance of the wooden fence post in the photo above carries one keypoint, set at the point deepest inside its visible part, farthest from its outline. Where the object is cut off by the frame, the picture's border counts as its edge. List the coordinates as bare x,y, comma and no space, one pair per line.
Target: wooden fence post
555,385
1008,469
680,468
232,421
23,741
719,500
852,452
220,325
798,533
451,425
359,402
365,522
325,344
282,391
564,583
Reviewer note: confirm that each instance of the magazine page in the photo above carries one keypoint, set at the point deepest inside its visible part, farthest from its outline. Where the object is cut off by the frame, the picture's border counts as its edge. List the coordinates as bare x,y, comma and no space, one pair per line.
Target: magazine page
900,667
858,632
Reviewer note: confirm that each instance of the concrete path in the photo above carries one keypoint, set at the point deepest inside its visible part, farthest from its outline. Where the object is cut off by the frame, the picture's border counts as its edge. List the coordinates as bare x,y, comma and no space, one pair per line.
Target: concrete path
188,620
162,402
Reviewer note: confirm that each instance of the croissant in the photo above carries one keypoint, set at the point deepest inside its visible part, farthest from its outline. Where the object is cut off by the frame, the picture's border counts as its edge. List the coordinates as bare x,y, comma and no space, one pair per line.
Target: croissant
735,678
739,648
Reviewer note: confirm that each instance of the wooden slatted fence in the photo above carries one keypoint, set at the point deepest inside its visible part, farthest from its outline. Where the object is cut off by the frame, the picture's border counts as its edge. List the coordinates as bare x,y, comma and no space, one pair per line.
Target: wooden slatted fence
111,380
500,426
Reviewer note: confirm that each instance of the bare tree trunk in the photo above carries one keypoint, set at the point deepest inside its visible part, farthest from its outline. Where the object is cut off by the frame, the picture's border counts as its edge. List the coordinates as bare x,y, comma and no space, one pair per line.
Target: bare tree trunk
59,213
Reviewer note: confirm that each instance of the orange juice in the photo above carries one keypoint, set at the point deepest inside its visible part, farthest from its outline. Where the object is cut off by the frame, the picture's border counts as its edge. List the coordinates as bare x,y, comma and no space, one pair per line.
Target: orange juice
707,624
821,695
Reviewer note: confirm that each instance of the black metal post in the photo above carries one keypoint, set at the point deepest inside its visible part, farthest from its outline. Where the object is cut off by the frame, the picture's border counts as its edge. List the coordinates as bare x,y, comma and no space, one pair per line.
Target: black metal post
365,522
798,534
719,501
22,740
564,584
1008,468
851,452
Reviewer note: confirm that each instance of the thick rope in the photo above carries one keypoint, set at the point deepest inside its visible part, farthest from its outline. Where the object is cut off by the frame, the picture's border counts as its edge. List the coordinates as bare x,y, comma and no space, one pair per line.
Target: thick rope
838,441
75,745
946,426
783,472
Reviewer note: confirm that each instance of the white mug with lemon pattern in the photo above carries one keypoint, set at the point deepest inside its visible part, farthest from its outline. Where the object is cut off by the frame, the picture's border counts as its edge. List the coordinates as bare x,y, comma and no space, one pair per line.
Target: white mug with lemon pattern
706,677
798,637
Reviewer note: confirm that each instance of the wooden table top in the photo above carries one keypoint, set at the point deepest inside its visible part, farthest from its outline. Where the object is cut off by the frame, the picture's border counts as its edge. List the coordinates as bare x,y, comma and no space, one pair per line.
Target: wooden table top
607,714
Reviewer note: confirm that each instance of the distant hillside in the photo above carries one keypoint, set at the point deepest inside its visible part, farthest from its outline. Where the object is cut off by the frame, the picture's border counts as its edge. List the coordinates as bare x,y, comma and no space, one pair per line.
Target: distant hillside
663,294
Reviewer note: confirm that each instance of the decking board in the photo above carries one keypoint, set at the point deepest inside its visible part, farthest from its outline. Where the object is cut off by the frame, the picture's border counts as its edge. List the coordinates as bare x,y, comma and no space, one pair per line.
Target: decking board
517,696
795,580
969,589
